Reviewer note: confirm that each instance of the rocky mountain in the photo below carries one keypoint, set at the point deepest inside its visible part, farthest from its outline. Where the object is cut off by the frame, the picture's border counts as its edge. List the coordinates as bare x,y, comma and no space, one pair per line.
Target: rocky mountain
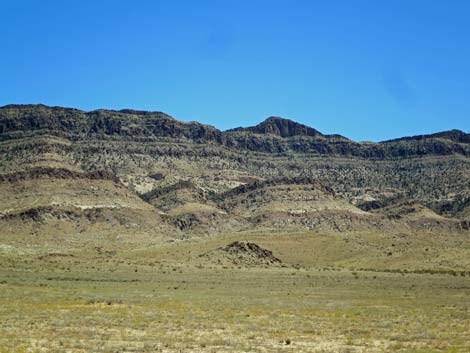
134,171
280,127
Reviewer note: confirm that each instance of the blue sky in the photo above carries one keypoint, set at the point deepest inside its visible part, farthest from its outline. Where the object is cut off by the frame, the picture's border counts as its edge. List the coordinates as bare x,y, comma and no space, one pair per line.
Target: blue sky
369,70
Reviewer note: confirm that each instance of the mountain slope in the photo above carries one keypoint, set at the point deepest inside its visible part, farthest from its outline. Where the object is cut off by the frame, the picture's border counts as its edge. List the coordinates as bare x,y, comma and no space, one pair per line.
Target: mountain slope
132,161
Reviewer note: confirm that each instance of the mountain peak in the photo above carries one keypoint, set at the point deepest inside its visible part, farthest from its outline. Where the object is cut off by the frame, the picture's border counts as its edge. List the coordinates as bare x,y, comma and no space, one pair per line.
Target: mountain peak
281,127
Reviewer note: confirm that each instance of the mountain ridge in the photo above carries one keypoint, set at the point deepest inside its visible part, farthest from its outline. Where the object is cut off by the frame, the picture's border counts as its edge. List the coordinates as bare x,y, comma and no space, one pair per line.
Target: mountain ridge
273,125
200,179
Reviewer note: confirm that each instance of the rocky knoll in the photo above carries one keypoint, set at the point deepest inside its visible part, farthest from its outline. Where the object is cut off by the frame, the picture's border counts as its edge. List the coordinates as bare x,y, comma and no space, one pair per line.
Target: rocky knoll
241,253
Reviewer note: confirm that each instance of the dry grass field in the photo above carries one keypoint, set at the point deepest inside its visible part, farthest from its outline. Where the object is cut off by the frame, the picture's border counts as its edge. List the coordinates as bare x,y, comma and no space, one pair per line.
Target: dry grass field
164,298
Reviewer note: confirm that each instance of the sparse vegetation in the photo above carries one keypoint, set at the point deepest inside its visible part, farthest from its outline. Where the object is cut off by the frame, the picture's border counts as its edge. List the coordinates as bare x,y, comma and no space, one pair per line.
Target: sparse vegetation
209,308
132,232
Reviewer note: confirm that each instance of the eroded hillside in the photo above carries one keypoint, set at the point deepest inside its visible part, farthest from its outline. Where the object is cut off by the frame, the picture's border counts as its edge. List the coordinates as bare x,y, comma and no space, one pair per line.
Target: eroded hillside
153,174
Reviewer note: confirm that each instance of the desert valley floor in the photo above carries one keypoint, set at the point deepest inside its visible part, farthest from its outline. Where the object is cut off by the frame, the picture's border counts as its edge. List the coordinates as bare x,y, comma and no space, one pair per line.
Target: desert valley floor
170,299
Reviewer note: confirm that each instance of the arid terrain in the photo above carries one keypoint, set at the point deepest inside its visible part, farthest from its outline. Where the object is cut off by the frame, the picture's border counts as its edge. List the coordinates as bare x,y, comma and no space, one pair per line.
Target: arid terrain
130,231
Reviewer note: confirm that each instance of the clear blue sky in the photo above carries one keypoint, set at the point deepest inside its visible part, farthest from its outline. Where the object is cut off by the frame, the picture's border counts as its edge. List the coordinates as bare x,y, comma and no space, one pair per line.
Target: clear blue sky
369,70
